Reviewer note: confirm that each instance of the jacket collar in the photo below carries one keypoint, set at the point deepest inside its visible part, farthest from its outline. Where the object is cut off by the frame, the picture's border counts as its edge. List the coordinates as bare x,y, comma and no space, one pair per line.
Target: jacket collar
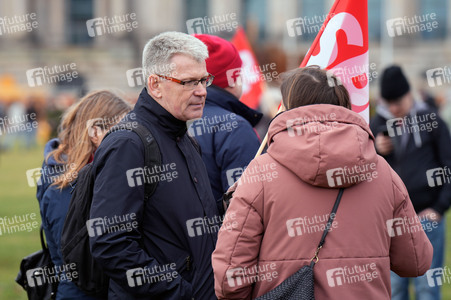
222,98
151,111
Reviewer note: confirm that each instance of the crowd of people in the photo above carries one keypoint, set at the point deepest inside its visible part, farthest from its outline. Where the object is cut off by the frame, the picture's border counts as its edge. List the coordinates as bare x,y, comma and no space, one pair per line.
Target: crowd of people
242,249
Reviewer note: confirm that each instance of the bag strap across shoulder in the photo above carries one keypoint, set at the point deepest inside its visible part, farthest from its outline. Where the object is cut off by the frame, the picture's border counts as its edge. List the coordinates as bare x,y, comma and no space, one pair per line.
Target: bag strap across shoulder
328,225
41,233
152,154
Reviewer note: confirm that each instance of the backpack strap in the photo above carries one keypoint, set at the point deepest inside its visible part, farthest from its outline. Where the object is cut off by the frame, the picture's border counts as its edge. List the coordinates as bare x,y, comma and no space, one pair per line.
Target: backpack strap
152,156
41,234
152,153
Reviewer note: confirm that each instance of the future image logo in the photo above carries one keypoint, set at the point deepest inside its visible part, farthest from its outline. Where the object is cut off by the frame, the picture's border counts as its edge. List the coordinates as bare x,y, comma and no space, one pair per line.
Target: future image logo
33,177
357,75
311,124
112,224
18,23
39,276
96,227
306,25
399,226
235,277
350,175
135,77
352,275
48,175
213,124
212,25
251,73
438,76
234,77
114,24
258,273
35,77
438,276
149,275
51,75
233,175
306,225
18,223
36,277
438,176
135,277
140,176
206,225
410,25
395,127
412,124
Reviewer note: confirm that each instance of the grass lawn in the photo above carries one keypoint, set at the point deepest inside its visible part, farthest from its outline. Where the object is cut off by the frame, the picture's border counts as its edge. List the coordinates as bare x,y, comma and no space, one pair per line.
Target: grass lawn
18,199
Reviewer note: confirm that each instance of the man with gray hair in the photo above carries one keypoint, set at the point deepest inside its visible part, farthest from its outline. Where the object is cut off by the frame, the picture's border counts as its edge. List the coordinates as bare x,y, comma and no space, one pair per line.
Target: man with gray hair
158,245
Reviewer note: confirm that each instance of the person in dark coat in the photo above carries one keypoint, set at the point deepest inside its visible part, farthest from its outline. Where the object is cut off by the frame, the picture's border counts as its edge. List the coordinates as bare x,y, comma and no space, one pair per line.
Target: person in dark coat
415,142
159,248
225,132
63,158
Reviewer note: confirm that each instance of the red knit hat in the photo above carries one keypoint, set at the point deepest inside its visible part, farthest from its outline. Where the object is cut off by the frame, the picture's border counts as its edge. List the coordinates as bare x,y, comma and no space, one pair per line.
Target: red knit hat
222,56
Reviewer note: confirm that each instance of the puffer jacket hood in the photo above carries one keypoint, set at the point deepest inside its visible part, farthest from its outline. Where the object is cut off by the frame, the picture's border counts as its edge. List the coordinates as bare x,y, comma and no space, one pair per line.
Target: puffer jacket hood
333,141
49,163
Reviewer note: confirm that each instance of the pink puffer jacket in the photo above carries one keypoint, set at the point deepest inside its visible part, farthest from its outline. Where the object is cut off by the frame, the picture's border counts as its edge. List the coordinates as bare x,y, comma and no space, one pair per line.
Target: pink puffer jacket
283,200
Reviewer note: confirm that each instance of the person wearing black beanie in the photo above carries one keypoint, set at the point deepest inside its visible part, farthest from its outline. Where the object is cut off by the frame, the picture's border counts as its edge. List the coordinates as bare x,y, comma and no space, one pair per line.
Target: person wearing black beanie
414,140
394,84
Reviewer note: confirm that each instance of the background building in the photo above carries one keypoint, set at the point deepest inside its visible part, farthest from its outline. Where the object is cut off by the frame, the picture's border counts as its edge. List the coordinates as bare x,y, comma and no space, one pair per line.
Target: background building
62,36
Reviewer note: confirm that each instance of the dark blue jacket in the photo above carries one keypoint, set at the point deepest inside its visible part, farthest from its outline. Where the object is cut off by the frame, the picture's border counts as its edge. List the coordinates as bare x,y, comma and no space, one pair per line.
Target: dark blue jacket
175,231
226,136
54,204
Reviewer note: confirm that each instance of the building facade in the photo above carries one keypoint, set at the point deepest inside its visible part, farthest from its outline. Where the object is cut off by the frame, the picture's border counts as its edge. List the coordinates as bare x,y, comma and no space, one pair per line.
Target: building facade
104,38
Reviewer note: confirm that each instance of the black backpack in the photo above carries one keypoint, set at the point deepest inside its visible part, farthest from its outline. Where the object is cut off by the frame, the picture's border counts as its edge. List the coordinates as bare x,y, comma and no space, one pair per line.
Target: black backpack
75,239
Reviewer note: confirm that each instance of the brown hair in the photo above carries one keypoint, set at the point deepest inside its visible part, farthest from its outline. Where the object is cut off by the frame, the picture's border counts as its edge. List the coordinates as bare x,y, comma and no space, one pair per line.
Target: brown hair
313,85
76,147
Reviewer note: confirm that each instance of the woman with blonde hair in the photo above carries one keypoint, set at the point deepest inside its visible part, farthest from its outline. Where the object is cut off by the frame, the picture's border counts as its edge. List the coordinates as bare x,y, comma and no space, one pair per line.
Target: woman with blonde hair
82,128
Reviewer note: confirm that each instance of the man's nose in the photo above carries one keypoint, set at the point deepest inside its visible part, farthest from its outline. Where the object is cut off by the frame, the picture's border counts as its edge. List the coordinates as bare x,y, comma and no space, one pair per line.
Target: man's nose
394,109
200,90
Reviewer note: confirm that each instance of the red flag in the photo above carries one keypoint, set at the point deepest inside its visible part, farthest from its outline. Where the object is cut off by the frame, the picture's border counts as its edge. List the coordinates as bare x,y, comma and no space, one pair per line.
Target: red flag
251,77
341,46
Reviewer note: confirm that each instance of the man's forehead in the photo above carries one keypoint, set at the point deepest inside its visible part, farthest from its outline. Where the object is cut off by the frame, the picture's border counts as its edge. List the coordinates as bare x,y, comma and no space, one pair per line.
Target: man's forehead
187,66
185,59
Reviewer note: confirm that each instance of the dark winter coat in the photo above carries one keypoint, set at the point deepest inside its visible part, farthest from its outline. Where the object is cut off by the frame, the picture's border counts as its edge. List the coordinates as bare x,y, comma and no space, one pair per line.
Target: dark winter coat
425,147
171,236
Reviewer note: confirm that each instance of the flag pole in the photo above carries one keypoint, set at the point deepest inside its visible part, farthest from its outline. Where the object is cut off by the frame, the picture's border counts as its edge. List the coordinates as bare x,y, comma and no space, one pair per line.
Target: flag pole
262,146
265,139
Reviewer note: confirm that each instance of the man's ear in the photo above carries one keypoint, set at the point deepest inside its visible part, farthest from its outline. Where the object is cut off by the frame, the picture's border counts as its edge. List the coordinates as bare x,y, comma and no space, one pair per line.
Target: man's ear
154,86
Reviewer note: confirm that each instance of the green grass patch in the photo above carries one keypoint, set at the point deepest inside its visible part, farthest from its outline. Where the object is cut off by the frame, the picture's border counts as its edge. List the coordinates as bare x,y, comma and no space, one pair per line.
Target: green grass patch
17,198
